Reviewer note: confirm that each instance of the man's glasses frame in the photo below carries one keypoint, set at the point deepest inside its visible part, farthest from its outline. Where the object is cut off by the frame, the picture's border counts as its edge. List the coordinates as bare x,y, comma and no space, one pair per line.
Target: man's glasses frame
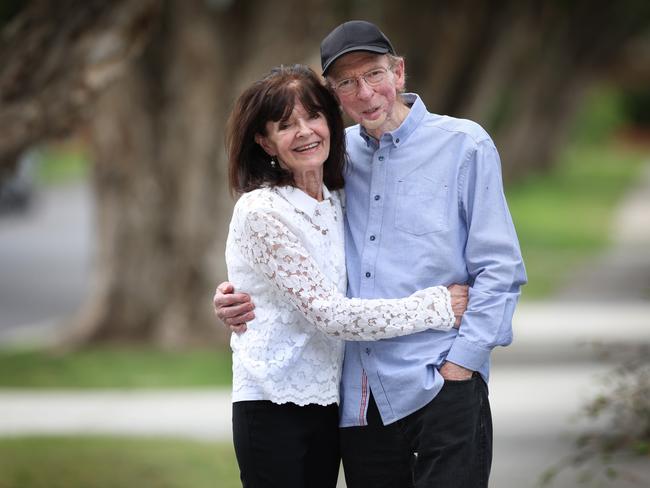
373,77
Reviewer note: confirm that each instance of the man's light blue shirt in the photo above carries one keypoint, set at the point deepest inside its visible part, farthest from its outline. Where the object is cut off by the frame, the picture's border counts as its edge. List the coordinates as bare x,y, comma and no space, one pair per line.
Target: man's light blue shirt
425,206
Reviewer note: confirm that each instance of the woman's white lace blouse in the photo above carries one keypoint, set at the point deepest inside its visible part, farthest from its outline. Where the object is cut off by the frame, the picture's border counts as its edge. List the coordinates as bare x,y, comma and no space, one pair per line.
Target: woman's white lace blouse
286,249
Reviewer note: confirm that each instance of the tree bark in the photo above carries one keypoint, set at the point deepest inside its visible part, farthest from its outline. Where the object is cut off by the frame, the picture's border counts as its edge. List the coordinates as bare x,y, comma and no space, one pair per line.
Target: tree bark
520,69
160,170
155,79
57,57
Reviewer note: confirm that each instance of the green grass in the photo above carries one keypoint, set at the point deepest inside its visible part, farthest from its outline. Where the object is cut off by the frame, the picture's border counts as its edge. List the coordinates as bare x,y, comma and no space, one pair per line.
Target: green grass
114,368
109,462
602,114
565,216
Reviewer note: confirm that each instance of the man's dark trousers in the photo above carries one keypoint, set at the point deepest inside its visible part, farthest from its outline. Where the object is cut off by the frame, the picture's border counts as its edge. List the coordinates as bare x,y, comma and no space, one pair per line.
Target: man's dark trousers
445,444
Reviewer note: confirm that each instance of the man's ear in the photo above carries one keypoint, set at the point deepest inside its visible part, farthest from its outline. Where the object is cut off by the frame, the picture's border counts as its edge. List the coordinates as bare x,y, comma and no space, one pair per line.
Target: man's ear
400,78
264,142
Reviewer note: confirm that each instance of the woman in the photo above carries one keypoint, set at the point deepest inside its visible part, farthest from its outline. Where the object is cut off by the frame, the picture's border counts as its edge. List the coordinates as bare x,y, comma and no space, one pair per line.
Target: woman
286,150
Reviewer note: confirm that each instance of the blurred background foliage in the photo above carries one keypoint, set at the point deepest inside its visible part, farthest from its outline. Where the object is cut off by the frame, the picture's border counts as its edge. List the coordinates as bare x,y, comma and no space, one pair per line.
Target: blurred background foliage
130,96
143,88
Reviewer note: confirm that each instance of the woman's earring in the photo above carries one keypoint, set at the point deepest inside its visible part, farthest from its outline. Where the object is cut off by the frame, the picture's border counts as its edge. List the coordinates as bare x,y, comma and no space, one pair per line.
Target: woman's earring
273,163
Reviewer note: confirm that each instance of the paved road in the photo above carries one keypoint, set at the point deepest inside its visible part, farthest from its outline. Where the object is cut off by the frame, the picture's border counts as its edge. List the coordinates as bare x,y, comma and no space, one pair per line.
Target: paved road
45,261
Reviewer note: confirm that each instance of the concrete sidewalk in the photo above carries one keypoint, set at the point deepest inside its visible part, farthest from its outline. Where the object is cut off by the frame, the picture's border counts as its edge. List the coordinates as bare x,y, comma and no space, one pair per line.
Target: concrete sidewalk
196,414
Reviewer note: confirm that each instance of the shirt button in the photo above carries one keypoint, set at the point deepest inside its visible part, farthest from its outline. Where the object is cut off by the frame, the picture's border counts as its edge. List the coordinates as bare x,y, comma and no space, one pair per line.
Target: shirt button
377,197
368,351
372,238
397,140
368,274
381,158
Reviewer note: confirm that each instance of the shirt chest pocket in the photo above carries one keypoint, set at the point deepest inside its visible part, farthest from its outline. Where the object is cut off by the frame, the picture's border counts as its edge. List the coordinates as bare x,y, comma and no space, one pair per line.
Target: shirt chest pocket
421,206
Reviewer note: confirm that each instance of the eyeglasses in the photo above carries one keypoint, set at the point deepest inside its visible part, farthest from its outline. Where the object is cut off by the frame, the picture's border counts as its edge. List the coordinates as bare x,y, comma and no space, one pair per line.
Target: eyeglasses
349,86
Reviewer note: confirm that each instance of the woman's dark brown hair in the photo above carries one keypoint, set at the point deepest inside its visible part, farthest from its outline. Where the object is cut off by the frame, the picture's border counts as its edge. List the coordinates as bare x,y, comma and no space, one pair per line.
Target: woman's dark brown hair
272,99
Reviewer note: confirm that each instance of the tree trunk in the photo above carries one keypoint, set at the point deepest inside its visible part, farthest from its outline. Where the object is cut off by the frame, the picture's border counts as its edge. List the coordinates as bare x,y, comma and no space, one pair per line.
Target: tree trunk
160,173
518,68
57,57
165,73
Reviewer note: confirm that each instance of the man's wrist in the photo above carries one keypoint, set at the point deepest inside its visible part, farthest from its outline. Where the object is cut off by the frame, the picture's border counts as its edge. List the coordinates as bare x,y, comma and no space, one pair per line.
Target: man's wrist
455,372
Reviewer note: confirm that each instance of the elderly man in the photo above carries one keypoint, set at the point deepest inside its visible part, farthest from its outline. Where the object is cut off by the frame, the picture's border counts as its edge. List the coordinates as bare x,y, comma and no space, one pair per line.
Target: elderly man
424,206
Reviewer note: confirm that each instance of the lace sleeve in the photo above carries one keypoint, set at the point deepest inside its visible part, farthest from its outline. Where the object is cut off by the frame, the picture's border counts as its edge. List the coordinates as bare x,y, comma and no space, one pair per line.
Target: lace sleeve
275,250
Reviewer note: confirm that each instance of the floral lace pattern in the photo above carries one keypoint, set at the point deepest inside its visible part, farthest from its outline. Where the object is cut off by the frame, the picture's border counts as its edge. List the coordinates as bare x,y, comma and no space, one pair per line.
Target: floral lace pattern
286,250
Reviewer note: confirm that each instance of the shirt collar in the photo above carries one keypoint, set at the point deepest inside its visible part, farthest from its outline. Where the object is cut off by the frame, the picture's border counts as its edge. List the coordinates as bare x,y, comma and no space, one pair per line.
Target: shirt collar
402,133
300,200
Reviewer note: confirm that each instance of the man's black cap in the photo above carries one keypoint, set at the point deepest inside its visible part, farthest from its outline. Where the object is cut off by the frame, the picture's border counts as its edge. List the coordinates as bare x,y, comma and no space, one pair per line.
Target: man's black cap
355,35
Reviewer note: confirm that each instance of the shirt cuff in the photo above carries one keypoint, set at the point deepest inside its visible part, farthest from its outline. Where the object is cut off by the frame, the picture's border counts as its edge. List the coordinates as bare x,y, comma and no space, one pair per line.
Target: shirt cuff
467,354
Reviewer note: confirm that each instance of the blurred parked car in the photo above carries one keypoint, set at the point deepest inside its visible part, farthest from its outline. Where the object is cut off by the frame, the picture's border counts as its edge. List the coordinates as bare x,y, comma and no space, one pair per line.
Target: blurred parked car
18,191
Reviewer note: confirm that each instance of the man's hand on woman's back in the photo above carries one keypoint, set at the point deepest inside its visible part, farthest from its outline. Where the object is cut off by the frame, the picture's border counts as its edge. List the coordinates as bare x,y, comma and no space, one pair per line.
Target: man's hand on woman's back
233,309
